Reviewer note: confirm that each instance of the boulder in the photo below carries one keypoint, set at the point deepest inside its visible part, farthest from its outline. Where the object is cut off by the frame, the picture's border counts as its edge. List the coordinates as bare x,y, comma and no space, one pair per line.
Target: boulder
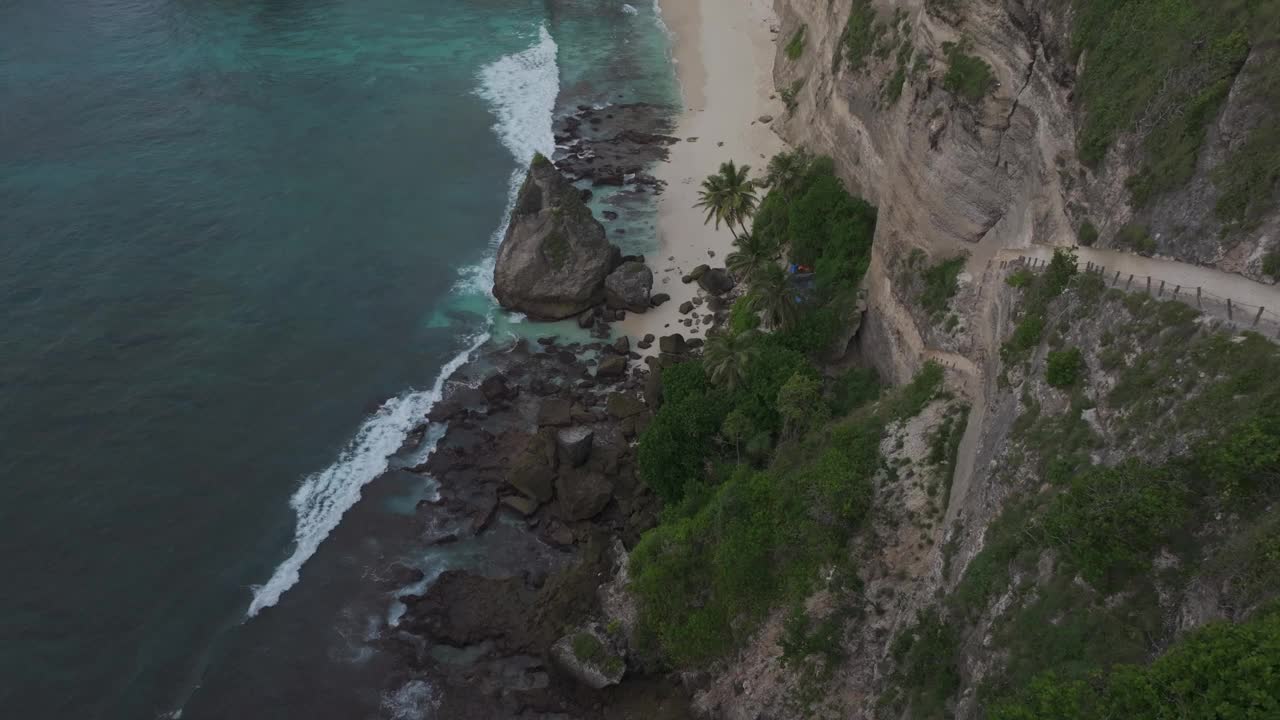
586,320
555,411
673,344
587,655
694,343
716,281
697,273
582,493
627,288
622,405
614,366
686,307
533,472
574,445
495,388
521,504
653,389
554,258
658,299
622,345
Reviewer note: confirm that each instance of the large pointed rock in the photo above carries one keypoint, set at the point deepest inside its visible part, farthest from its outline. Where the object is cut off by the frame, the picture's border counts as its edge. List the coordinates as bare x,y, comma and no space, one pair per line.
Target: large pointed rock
555,257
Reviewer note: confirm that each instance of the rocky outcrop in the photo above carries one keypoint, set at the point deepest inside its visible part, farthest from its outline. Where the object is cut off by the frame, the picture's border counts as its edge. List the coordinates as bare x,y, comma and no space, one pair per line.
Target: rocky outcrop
554,259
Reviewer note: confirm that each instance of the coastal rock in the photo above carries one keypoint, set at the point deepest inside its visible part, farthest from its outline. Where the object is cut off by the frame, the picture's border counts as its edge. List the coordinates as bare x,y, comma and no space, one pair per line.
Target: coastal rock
686,307
716,281
673,344
521,504
612,367
533,471
574,445
622,406
657,299
588,656
582,493
554,259
586,320
555,411
622,345
627,288
495,388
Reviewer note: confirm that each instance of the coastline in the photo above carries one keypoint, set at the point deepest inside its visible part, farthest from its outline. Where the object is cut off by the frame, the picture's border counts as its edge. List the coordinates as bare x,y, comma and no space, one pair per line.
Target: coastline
727,86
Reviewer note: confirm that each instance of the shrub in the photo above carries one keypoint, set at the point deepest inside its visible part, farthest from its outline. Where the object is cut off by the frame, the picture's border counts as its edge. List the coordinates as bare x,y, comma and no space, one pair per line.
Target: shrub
674,446
857,387
927,669
1136,237
741,318
800,404
1020,278
795,48
1222,670
861,32
940,284
1271,264
587,648
1088,234
1064,367
968,77
1111,519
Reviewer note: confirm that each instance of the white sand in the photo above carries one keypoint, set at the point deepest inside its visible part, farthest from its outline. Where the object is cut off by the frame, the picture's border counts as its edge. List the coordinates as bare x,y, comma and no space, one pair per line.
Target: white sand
724,51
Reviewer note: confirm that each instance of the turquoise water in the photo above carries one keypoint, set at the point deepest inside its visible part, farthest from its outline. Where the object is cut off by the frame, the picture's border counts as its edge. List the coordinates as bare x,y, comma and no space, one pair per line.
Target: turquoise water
238,244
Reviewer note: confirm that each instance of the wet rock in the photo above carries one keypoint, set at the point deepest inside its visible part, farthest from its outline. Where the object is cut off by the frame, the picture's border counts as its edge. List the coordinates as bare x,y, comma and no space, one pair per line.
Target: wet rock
612,367
533,470
653,390
574,445
554,411
621,406
587,319
622,345
582,493
610,215
495,388
521,504
694,343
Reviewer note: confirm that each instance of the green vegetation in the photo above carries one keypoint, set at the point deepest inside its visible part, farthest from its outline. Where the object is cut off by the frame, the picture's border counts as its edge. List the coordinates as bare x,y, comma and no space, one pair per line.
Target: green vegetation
1039,291
1163,68
861,33
790,95
1271,263
1088,234
893,89
1136,237
940,285
728,356
1247,178
926,657
795,48
853,389
729,196
588,648
968,77
1223,670
1064,367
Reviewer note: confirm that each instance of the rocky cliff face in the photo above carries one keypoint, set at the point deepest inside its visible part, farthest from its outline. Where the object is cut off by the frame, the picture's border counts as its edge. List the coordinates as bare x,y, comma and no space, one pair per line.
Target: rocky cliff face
955,173
554,259
961,165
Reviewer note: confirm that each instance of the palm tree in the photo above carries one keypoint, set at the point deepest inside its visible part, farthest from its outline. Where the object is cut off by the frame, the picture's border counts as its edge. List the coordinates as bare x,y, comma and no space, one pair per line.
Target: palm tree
787,168
727,356
728,196
771,292
753,254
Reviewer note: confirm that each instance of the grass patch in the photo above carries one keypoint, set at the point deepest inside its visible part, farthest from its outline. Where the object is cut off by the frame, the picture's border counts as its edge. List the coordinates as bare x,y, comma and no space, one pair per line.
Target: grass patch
795,47
861,34
1088,234
1064,368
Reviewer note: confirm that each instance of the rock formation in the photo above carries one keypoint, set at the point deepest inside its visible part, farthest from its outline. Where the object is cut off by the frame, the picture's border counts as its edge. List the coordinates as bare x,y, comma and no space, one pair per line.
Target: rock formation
554,259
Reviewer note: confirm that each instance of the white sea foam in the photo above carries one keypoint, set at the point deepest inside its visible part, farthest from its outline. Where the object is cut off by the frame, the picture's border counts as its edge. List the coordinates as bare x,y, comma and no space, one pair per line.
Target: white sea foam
522,89
630,9
415,700
662,23
324,497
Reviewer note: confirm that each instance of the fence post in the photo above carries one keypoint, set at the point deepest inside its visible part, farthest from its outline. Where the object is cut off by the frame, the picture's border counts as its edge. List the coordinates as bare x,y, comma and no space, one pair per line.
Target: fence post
1258,317
1176,288
1198,303
1116,280
1088,266
1161,289
1229,309
1128,283
1148,284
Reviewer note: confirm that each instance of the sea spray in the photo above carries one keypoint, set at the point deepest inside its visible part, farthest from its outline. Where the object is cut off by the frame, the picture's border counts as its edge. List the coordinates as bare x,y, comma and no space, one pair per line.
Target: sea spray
522,89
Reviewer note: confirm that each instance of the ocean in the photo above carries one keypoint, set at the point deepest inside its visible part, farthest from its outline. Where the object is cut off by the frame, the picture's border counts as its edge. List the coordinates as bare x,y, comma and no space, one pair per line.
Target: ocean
242,245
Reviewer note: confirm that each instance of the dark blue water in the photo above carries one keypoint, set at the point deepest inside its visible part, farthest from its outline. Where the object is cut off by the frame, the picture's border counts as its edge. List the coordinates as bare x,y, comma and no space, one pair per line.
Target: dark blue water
238,243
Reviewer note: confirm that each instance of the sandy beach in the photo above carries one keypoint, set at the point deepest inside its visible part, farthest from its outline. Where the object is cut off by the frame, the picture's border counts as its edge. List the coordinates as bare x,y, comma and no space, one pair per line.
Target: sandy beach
727,85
